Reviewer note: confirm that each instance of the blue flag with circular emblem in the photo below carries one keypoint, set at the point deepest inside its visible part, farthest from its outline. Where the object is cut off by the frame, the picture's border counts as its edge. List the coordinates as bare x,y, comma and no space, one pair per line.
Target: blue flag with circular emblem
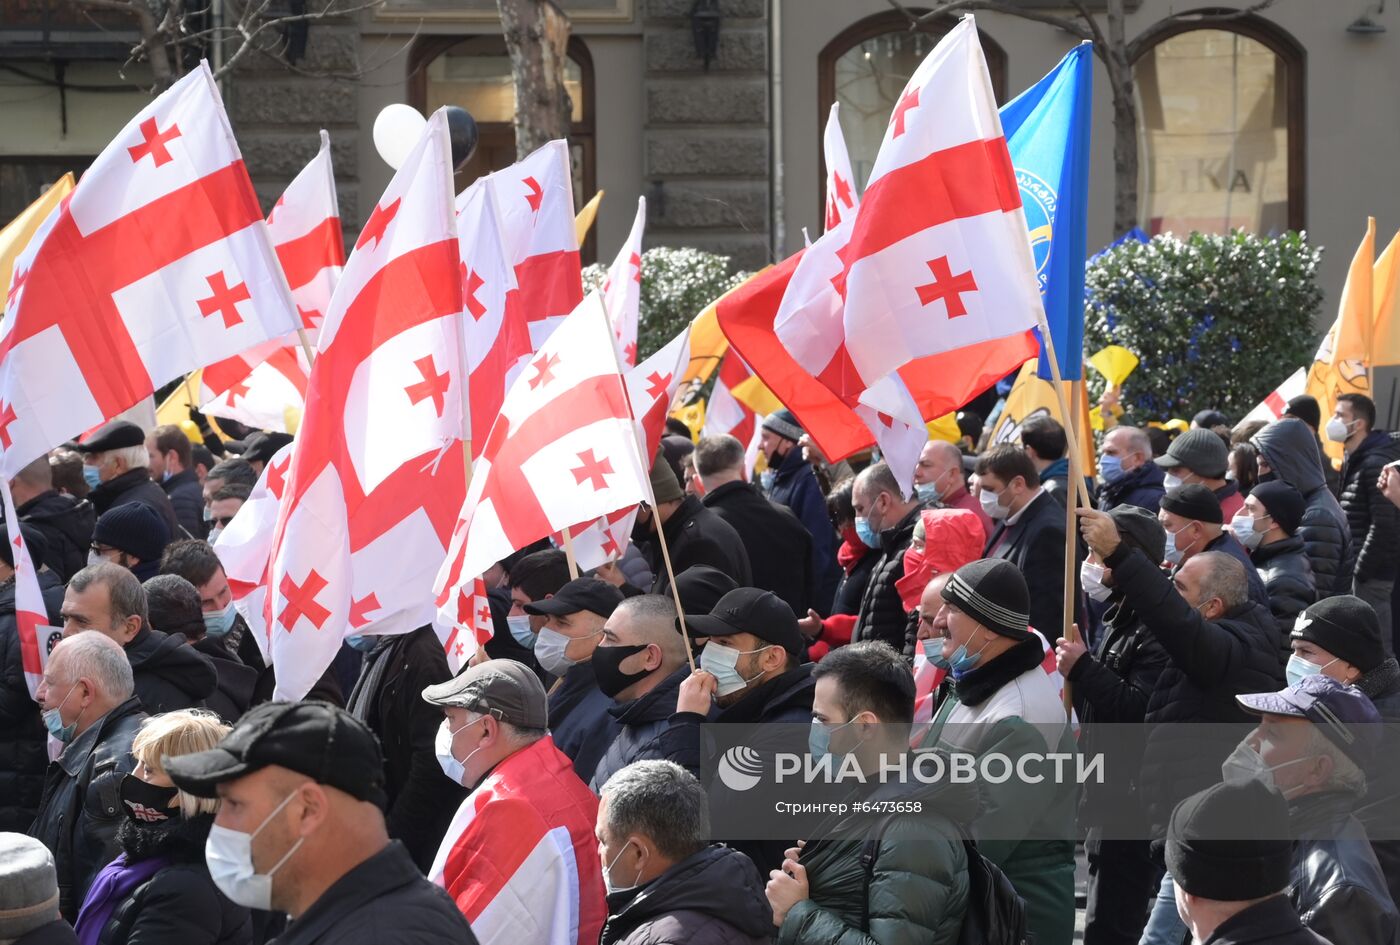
1047,132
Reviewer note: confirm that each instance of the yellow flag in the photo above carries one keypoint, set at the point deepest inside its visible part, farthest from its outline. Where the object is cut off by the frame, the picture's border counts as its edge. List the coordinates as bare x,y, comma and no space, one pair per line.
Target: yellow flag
754,394
1385,337
693,416
584,221
1115,363
1030,397
707,342
945,428
175,410
1340,365
19,231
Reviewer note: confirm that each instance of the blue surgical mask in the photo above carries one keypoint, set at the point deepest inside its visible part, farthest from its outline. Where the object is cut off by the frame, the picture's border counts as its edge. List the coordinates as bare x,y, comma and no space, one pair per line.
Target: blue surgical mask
1110,468
962,662
765,479
722,663
53,720
219,622
92,476
361,642
819,739
927,492
1299,668
868,536
930,650
520,629
1173,553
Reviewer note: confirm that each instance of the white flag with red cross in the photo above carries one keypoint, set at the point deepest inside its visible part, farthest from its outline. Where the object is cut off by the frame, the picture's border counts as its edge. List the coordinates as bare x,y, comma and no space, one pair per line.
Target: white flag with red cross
1273,406
265,387
938,257
464,624
810,324
378,473
727,414
535,200
159,262
622,289
30,612
564,448
244,547
651,389
494,327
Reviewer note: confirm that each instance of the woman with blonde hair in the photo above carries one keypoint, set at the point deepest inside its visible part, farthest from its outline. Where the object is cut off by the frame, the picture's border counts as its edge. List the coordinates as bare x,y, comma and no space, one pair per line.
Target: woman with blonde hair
158,889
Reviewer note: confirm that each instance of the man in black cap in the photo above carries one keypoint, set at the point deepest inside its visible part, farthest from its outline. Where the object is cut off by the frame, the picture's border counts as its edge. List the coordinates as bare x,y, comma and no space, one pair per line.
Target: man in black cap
1267,526
1002,702
790,480
132,536
172,465
65,522
301,831
578,709
1201,456
1314,742
1194,524
259,449
1228,848
1340,637
118,453
694,534
1305,408
1113,685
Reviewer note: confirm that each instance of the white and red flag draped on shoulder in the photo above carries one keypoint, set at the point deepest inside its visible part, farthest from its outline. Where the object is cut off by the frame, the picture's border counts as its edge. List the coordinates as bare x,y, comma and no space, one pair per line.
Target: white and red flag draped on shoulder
494,327
651,389
727,414
938,257
260,387
30,612
564,448
158,263
245,546
622,289
378,472
535,199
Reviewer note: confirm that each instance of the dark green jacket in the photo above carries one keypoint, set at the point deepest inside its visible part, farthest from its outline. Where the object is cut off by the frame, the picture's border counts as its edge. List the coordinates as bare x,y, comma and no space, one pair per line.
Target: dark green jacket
918,889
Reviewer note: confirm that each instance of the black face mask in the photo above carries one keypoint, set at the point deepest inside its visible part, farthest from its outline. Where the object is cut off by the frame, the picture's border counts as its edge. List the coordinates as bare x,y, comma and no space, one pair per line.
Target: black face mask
1269,477
145,803
607,662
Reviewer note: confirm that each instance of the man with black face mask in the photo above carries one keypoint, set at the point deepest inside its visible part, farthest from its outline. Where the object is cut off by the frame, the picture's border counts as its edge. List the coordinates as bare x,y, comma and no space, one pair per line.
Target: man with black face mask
640,665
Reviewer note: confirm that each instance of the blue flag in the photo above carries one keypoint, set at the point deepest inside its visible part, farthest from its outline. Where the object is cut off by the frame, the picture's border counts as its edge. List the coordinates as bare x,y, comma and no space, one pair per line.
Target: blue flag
1047,131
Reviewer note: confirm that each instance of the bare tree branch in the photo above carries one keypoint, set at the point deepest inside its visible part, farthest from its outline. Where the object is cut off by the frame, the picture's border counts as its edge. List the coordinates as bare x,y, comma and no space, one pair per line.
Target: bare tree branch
949,7
1199,19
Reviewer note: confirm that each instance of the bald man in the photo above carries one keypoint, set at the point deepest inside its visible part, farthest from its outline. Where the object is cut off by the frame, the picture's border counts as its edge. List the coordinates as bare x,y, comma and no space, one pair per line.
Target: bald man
939,478
640,663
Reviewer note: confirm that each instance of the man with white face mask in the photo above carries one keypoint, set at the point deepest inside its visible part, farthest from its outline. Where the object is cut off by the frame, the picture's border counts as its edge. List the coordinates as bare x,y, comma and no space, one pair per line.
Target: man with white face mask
301,830
1313,744
1195,524
519,858
1268,527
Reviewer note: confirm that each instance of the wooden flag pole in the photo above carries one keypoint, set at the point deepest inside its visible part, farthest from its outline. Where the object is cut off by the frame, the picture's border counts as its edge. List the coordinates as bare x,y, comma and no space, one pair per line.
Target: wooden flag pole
306,347
569,555
1071,631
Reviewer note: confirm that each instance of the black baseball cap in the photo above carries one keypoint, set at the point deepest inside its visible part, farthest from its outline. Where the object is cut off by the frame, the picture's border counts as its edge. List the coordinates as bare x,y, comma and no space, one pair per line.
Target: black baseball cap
117,435
750,610
261,447
319,740
585,593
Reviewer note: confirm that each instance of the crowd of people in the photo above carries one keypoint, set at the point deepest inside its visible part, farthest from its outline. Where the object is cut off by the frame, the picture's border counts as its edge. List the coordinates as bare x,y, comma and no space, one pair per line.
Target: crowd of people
555,789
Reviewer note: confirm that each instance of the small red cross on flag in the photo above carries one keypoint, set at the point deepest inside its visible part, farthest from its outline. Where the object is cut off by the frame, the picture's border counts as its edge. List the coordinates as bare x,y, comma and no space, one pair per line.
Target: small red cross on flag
622,291
947,287
224,299
593,469
153,142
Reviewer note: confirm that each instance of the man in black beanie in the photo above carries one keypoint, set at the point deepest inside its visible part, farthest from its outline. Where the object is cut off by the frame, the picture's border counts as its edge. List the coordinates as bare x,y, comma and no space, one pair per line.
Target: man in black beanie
1340,637
1230,888
1003,701
1195,524
1268,527
1113,684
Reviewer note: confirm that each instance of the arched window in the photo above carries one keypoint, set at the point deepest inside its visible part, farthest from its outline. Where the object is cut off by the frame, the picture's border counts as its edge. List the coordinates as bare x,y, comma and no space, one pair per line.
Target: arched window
475,74
1220,130
866,67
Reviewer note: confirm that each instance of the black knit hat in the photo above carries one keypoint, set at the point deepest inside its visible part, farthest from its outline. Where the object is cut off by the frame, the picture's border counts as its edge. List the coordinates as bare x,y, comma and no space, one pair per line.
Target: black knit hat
1206,854
1194,501
133,528
993,592
1346,627
1141,530
1305,408
1284,504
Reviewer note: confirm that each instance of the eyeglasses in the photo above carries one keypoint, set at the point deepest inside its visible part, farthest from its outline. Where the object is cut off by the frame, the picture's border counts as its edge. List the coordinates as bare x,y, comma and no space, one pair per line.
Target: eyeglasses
98,549
221,520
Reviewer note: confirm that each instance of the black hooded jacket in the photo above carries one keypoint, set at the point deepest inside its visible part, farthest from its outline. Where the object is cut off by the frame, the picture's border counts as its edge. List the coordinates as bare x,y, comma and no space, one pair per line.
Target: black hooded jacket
713,897
1288,446
66,524
170,674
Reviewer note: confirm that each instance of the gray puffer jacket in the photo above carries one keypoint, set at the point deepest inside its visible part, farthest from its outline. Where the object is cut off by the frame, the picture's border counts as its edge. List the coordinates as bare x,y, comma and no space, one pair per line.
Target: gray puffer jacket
1289,448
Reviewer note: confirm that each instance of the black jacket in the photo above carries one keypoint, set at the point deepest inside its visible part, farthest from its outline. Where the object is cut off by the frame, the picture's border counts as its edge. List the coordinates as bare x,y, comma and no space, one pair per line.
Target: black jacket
1141,487
244,647
642,727
1336,883
697,535
187,499
170,674
714,897
1288,579
389,699
795,486
1290,449
135,485
179,904
382,901
1226,543
580,719
1209,663
233,693
66,524
1036,545
23,755
57,932
81,808
778,545
1271,922
851,589
1374,521
882,614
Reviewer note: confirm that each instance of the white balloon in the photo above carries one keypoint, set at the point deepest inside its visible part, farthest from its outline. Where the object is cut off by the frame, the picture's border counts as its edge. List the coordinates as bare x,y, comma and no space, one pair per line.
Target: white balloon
397,129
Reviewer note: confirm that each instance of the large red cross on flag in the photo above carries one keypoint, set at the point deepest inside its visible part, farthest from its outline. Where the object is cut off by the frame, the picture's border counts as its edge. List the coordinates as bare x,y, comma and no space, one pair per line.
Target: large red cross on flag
265,387
562,451
622,289
110,307
938,257
244,547
378,473
30,612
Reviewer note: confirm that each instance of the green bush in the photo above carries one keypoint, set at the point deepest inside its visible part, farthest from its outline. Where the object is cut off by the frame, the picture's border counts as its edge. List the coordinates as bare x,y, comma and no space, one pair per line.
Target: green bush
677,284
1217,321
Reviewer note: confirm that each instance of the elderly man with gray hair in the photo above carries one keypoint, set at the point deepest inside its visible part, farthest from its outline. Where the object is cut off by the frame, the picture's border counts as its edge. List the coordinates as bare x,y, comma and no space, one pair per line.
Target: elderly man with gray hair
89,704
118,454
666,882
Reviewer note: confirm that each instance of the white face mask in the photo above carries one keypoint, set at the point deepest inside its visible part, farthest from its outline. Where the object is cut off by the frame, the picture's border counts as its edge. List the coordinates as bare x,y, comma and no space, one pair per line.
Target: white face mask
1091,576
442,747
1245,765
722,662
1337,430
1170,482
991,504
95,558
549,650
1246,530
229,856
608,883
